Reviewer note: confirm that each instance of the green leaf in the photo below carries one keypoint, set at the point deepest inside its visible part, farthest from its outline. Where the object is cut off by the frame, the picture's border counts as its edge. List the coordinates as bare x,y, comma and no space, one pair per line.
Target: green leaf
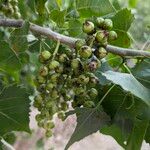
115,132
1,146
112,101
133,3
88,121
52,5
114,60
142,72
75,28
59,3
25,10
24,58
69,5
31,4
58,17
116,4
123,40
18,38
9,59
123,108
137,136
89,8
104,67
14,110
130,84
122,20
40,6
147,135
119,102
10,137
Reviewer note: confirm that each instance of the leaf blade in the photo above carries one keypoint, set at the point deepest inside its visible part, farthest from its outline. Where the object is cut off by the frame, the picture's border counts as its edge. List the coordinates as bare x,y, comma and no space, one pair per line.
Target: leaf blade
130,84
9,60
88,121
14,110
18,38
137,136
123,19
89,8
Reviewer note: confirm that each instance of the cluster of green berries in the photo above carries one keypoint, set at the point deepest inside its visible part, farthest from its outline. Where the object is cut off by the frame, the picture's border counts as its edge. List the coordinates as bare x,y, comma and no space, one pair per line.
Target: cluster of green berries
10,8
99,34
68,77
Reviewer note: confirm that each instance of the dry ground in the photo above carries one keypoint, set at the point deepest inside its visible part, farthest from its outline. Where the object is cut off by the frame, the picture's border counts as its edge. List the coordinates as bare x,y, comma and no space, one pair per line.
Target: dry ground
62,133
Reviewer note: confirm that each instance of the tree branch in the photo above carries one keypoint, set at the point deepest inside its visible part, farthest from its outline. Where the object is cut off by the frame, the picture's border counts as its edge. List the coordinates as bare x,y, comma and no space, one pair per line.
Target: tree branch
47,32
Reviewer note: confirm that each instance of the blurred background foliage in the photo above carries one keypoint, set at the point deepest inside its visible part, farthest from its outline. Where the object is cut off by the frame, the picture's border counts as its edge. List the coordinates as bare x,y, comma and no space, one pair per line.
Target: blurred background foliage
140,29
68,24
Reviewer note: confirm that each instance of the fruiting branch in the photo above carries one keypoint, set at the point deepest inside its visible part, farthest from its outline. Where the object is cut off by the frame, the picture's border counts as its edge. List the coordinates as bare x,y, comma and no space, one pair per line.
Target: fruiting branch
47,32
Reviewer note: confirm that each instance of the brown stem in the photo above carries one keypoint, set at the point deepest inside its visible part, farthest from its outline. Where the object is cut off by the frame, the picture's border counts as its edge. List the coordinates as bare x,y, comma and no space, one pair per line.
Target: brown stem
47,32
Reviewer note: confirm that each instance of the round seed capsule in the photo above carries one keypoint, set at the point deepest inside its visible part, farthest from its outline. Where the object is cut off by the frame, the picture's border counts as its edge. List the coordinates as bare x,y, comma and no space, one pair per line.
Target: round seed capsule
88,27
85,52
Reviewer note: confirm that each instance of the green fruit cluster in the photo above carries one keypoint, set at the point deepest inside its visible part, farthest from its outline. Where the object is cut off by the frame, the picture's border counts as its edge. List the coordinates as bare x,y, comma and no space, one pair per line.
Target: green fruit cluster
99,34
68,76
10,8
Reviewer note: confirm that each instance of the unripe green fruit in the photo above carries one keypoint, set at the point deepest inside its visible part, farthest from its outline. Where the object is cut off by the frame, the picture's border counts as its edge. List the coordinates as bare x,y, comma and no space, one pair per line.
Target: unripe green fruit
79,44
75,63
17,15
38,98
68,52
63,58
67,97
49,104
54,94
36,104
104,43
10,10
43,71
61,116
16,9
93,64
50,86
48,133
90,40
59,69
89,104
88,27
112,35
82,79
41,88
85,52
49,125
83,97
79,90
45,113
101,52
93,81
38,118
100,36
54,77
108,24
64,106
41,123
45,55
53,65
14,2
100,22
41,79
93,93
